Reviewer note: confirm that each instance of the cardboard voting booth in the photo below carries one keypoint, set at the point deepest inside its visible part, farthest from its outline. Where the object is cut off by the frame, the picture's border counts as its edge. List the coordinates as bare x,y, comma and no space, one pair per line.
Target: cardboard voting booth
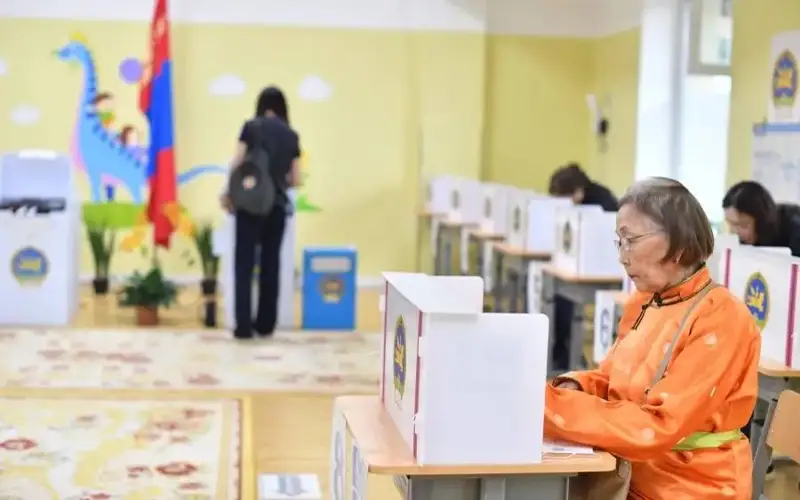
457,199
224,247
585,242
39,231
767,283
448,367
605,320
517,217
540,235
494,208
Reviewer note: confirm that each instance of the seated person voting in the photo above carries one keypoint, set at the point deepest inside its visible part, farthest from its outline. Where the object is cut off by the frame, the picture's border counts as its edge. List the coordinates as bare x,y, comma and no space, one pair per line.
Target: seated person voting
681,380
462,387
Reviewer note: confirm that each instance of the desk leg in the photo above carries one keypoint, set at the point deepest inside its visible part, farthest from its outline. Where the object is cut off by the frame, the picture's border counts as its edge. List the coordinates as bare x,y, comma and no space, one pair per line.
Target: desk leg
497,281
447,262
437,257
478,248
576,331
513,287
763,453
539,486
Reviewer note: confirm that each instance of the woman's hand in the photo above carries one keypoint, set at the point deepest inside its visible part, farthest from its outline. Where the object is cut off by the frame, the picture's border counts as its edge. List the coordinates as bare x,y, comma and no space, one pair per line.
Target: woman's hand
568,384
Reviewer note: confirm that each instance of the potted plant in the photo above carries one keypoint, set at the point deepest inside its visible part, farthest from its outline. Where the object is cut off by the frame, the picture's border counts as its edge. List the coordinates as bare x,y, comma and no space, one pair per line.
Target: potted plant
204,241
146,293
101,240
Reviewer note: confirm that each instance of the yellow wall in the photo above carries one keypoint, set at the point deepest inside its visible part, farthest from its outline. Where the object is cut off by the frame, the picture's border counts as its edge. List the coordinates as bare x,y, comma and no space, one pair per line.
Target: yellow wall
754,24
616,84
404,106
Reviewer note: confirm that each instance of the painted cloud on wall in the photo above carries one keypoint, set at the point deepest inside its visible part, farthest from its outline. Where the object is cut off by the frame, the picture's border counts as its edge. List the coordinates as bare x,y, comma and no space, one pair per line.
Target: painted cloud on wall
226,86
3,68
25,114
313,88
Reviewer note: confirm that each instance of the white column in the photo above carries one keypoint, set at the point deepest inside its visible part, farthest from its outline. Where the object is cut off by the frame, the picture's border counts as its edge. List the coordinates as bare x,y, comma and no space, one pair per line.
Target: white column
661,71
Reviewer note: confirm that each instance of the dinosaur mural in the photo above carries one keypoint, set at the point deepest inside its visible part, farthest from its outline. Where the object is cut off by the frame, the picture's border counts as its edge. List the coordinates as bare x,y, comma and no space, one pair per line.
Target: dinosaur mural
106,157
112,160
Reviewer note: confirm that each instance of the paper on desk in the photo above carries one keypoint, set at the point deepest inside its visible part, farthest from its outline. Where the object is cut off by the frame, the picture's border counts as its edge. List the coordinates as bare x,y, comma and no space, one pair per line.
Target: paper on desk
565,448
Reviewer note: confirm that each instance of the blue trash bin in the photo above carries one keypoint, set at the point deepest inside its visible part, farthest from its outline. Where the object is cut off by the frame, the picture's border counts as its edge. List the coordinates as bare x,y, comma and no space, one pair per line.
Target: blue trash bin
329,288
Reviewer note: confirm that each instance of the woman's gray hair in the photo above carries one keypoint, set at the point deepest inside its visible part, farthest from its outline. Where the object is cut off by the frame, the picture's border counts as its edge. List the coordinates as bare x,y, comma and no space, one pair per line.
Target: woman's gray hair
678,214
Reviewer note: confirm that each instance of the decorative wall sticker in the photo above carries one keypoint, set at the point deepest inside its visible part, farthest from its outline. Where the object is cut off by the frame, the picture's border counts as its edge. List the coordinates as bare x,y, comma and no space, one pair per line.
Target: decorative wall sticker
25,114
112,155
131,70
227,86
314,89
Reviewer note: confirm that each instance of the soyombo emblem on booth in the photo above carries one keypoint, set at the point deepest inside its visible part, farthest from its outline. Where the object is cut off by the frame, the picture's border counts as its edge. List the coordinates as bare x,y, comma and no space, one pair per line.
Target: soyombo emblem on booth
29,266
399,360
756,297
566,238
332,289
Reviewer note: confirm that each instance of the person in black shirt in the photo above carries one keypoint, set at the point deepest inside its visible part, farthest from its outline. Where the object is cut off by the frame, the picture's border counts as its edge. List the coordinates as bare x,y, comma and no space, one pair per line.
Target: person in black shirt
571,181
756,219
270,127
752,214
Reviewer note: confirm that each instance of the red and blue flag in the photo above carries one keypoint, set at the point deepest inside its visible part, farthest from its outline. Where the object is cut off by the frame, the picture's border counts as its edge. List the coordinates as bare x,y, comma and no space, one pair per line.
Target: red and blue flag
155,101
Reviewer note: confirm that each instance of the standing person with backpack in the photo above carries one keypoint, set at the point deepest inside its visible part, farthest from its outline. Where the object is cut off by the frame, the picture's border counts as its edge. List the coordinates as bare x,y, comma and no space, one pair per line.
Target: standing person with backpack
264,167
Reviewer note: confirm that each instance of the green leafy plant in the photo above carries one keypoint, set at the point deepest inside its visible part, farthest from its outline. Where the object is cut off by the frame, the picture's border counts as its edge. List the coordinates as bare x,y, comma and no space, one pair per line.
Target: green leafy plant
149,290
204,241
102,240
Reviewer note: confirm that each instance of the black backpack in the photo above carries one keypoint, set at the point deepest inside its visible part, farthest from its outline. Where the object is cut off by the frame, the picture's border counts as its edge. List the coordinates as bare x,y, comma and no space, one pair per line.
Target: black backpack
252,187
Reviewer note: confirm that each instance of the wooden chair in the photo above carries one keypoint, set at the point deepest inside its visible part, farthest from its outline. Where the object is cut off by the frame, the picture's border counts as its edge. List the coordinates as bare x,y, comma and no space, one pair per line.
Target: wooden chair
784,433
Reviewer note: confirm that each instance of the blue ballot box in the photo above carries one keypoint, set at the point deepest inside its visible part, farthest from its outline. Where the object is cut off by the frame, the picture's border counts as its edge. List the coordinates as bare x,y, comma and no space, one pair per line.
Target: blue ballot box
329,289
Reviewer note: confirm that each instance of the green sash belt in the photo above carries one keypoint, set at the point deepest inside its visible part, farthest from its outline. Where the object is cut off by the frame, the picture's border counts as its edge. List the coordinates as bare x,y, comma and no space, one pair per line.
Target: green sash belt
707,440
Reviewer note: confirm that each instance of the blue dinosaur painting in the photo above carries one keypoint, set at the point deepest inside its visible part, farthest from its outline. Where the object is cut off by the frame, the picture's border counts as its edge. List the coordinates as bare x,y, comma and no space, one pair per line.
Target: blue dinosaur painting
102,154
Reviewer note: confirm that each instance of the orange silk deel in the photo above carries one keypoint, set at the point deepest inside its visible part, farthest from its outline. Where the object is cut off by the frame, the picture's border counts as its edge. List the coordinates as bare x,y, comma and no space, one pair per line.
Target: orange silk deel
710,385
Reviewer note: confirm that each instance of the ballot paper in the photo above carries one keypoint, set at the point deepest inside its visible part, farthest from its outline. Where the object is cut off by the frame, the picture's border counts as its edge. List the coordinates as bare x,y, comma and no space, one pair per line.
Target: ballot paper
565,448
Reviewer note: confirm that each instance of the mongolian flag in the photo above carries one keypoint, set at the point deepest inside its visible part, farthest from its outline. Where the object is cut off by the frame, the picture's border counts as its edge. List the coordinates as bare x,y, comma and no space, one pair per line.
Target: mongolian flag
155,101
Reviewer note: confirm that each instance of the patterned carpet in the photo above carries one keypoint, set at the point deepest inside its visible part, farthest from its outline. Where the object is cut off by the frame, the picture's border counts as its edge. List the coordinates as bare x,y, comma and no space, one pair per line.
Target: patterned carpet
117,449
136,359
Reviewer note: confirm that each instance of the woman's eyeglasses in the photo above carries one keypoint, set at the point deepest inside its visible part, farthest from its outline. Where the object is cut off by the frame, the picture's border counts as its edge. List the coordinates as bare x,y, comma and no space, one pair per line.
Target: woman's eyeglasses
626,243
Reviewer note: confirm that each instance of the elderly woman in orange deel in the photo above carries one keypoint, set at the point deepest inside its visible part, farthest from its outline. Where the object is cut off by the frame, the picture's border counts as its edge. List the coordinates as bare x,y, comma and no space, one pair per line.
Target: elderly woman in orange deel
679,432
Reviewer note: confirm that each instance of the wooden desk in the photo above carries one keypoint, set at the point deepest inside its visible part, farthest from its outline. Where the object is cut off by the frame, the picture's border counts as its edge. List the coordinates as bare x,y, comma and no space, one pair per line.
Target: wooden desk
510,276
581,292
385,453
773,378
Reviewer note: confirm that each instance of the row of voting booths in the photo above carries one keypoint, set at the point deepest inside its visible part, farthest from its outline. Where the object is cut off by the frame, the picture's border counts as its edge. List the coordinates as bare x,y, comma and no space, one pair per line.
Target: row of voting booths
447,367
529,248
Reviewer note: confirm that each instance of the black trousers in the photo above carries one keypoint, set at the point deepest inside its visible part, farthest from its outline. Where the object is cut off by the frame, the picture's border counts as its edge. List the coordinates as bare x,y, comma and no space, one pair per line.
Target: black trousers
266,234
563,333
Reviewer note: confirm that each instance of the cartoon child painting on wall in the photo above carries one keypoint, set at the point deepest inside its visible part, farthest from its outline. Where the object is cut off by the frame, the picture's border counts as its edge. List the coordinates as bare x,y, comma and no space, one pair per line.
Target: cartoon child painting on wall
130,138
103,105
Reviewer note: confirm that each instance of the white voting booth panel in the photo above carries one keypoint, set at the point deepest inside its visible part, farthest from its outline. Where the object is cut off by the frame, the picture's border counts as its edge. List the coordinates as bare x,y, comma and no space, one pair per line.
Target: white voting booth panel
604,319
540,235
39,252
438,194
767,283
224,247
517,217
456,198
448,367
535,271
494,208
585,242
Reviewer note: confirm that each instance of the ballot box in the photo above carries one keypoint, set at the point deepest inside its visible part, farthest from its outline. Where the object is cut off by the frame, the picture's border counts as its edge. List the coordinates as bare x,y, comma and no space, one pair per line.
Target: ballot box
39,245
517,217
224,246
493,208
540,228
329,288
767,283
447,368
585,242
